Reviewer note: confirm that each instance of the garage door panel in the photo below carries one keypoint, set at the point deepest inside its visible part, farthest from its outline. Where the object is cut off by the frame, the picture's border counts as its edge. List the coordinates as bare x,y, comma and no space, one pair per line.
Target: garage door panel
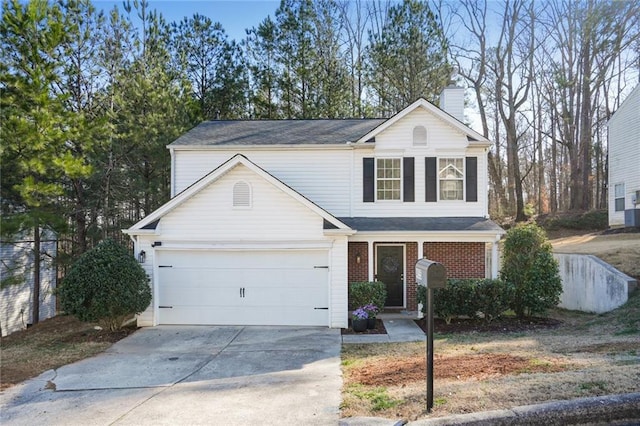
279,287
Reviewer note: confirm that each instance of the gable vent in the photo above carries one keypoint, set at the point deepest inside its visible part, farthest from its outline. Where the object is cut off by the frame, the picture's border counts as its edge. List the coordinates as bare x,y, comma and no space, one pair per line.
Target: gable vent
241,194
419,136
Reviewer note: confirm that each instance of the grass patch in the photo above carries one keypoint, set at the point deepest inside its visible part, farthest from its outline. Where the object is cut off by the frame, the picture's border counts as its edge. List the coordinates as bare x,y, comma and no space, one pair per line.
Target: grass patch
376,396
591,387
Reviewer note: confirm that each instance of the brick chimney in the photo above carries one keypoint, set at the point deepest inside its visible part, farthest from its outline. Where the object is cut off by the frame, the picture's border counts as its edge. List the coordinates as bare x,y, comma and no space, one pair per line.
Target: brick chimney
452,101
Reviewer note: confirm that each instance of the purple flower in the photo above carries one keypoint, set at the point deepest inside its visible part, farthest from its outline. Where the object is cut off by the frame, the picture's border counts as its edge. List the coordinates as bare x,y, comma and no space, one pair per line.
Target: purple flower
360,313
371,309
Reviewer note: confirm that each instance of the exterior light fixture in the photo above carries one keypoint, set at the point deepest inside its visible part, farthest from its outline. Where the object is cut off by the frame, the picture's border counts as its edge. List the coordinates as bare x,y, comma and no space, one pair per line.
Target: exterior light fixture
358,259
142,256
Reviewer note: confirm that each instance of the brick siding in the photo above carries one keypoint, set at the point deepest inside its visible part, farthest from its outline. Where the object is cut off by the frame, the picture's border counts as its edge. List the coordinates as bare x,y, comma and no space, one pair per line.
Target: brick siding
358,271
462,260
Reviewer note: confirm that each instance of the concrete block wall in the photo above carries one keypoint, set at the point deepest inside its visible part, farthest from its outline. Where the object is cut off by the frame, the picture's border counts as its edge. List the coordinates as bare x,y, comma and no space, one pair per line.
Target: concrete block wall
592,285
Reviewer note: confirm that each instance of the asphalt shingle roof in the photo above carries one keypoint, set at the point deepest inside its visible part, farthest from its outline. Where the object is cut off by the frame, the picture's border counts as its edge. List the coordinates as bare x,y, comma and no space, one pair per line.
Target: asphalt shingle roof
420,224
277,132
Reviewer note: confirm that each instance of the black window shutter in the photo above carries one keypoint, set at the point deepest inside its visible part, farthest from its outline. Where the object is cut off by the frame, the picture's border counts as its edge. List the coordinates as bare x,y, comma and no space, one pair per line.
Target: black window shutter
431,180
408,179
471,178
368,173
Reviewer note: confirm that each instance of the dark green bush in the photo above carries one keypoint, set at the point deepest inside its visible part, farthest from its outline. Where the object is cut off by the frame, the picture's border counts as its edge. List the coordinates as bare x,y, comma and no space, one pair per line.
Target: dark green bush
588,221
364,292
469,297
105,285
492,298
528,264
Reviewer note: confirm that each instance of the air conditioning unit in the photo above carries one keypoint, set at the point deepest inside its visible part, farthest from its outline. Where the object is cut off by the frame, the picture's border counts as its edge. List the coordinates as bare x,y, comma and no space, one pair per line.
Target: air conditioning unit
632,218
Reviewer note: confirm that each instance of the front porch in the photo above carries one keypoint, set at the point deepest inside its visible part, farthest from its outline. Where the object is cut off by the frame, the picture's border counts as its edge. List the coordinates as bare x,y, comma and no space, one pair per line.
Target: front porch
392,258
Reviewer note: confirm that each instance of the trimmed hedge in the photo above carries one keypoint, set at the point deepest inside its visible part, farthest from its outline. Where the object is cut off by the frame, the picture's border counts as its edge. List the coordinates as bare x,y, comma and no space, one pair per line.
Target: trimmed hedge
362,293
472,298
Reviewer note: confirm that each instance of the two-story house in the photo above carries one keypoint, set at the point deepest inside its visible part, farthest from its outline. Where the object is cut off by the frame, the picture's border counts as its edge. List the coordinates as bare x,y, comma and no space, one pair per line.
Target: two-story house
624,163
269,221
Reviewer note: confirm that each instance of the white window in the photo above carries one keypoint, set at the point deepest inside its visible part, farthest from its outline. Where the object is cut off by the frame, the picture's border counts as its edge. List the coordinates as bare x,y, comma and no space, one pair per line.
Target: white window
451,178
388,178
619,197
419,136
242,195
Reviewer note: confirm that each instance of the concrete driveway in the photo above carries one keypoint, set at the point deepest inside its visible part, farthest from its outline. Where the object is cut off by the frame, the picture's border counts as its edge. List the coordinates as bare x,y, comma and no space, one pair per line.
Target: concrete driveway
191,375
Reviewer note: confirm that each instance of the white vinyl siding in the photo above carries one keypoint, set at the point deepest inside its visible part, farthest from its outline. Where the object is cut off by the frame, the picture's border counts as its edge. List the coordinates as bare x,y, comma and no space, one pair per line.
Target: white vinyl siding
16,299
332,178
273,214
322,175
624,156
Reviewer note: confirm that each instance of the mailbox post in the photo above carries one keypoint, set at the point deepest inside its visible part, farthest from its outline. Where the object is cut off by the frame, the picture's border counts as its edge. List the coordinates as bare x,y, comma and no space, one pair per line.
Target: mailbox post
431,275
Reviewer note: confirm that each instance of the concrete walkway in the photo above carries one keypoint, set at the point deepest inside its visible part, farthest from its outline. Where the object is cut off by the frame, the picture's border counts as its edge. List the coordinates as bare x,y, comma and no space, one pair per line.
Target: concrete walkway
400,328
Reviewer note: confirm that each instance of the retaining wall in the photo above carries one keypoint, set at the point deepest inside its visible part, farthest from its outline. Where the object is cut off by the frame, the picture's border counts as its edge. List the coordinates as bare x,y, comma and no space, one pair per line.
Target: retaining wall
592,285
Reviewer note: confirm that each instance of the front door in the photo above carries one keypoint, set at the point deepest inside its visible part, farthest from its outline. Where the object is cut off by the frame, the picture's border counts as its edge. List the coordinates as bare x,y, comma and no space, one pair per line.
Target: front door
390,270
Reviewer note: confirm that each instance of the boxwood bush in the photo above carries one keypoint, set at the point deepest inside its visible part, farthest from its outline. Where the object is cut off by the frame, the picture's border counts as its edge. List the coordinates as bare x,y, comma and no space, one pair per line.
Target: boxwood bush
470,298
105,285
364,292
528,264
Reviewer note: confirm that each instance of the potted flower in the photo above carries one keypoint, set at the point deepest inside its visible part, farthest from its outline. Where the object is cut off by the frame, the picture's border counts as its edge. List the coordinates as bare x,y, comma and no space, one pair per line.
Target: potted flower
359,320
372,311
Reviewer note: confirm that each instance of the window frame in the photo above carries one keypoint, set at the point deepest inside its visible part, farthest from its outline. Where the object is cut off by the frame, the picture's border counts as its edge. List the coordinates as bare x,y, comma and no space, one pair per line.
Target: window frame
619,198
400,179
461,180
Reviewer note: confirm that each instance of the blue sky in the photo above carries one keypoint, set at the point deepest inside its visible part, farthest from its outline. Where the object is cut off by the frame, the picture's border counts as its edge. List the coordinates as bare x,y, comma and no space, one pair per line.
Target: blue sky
234,15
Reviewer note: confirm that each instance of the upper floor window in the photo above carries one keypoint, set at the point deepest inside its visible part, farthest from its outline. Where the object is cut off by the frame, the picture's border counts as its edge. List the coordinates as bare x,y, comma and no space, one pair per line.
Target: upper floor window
388,179
241,194
451,178
419,136
619,197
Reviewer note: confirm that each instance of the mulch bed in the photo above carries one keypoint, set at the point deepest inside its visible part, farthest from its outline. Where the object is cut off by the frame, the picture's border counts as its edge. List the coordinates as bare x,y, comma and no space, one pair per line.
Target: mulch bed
501,325
378,330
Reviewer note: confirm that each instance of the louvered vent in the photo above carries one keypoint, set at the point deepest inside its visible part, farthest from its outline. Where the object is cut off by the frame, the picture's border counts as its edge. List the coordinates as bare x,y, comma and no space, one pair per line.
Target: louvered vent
241,195
419,136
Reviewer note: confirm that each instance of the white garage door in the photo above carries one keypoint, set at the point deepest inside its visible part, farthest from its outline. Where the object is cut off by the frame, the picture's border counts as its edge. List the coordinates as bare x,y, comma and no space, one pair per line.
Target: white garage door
244,287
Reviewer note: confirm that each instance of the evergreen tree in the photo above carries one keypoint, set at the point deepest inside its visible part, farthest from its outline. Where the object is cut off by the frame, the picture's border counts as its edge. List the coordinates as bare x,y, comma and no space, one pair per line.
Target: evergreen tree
408,57
261,49
213,64
36,128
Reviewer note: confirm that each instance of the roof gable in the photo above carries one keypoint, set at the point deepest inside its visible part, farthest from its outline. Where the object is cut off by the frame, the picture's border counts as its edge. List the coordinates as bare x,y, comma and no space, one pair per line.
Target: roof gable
145,225
473,137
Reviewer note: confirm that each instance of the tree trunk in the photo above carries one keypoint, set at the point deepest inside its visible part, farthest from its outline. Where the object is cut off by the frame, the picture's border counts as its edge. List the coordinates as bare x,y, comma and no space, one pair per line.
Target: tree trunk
36,275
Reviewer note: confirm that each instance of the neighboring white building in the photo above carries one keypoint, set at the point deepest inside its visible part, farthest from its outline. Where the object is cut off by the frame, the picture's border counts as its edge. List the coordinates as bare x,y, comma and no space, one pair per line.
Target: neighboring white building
624,163
271,219
16,271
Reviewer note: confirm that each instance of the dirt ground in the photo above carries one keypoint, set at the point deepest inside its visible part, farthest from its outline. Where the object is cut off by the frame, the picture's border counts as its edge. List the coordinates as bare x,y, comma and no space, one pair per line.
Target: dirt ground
50,344
505,364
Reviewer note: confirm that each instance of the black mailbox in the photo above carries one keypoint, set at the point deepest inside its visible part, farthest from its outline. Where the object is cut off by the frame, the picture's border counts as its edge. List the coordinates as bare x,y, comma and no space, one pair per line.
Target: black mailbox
431,274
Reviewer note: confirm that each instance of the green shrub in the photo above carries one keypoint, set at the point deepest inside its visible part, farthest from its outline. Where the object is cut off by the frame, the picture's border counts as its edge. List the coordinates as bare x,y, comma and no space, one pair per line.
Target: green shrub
492,298
588,221
105,285
528,264
364,292
469,297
